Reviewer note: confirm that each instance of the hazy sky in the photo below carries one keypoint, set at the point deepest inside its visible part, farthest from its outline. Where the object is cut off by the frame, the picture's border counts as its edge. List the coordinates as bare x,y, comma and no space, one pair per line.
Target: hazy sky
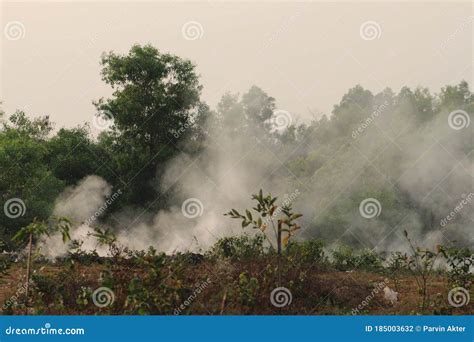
306,55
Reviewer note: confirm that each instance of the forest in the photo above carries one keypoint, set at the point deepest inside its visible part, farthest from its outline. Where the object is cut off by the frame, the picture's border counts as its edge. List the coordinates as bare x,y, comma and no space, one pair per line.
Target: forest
163,205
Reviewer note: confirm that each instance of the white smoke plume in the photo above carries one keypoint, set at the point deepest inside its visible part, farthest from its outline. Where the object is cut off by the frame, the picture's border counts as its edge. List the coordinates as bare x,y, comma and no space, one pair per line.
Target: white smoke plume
79,204
425,165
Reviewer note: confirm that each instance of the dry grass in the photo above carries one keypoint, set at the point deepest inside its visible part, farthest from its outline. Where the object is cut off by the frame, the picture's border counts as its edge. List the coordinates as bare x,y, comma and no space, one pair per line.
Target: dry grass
315,290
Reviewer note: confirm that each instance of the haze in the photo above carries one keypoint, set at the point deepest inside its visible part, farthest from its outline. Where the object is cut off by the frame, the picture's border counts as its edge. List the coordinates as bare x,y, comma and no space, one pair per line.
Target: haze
306,55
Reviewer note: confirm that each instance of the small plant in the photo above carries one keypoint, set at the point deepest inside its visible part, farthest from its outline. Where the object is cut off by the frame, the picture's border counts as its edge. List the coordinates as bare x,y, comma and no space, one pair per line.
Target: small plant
105,237
280,218
310,251
344,258
239,247
421,263
397,263
247,289
369,260
460,261
36,230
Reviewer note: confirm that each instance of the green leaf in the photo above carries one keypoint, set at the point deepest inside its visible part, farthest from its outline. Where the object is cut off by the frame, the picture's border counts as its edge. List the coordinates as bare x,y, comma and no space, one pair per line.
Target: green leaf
249,214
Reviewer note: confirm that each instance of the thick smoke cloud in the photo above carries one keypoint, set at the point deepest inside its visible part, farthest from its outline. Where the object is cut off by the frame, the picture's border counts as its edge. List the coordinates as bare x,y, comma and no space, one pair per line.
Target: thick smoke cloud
418,172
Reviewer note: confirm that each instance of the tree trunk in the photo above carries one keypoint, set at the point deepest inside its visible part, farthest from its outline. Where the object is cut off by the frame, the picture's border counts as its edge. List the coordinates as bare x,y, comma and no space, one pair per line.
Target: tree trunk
28,262
279,239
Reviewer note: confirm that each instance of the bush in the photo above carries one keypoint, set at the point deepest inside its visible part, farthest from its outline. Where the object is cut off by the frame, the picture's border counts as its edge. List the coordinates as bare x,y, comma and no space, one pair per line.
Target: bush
310,251
369,260
460,261
344,258
239,247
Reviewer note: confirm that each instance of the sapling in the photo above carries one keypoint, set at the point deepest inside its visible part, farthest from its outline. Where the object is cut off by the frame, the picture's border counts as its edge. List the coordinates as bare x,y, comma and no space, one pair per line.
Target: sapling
421,264
105,237
36,230
460,261
280,218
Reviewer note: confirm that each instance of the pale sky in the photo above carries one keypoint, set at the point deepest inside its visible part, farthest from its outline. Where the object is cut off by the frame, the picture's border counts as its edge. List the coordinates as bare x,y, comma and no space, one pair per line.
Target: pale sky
306,55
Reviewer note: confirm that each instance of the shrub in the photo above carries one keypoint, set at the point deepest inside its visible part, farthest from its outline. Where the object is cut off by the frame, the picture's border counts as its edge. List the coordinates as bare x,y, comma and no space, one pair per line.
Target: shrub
310,251
460,261
267,213
239,247
369,260
344,258
247,289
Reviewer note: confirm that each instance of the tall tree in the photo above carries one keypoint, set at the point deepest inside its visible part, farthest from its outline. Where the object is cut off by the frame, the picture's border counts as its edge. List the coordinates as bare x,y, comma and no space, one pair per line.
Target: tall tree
154,106
155,95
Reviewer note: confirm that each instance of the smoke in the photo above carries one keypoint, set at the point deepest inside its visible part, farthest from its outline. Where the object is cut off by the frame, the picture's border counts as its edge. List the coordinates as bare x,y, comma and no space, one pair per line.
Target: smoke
79,203
418,172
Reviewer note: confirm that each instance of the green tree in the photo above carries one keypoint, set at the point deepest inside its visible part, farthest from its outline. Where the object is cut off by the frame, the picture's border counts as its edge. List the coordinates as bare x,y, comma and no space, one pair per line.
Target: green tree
25,177
155,95
154,107
72,155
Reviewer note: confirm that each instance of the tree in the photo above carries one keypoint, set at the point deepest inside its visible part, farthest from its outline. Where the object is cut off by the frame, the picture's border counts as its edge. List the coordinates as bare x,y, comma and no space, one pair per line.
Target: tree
155,95
27,185
36,230
279,218
155,106
72,155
